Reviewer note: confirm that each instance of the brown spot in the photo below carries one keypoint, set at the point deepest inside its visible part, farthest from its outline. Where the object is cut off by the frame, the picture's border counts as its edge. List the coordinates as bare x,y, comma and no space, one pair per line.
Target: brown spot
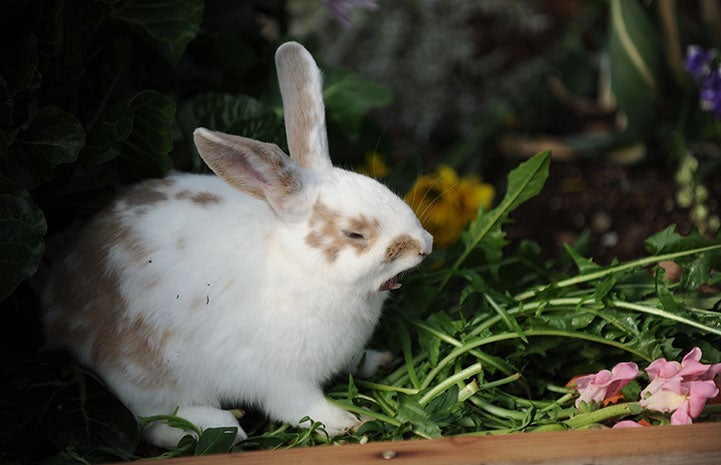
329,228
228,285
153,283
200,301
401,246
201,198
89,311
147,193
181,243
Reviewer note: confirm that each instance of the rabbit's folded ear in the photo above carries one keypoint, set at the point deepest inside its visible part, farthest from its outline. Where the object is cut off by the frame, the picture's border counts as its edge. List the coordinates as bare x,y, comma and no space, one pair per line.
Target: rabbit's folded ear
301,87
256,168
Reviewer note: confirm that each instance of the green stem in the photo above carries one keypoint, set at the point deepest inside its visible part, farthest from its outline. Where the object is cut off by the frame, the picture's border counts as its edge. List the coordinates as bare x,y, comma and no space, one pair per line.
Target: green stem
613,269
711,409
451,380
664,314
597,416
497,411
408,355
369,413
558,403
385,387
468,390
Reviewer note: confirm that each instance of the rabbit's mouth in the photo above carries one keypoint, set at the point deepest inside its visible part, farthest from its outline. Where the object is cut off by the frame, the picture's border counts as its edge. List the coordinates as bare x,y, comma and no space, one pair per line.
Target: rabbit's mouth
390,285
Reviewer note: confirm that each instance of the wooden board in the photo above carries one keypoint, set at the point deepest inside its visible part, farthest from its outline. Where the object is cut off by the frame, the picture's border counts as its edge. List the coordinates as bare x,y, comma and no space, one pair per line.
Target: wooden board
668,445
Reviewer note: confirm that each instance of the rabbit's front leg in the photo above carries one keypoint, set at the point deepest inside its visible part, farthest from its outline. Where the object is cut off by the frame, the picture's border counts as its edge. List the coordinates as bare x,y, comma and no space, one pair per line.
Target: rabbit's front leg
366,363
166,436
296,401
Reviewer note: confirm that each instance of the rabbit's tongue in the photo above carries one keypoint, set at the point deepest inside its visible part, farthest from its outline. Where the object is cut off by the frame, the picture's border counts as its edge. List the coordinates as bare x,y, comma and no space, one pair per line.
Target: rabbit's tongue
390,285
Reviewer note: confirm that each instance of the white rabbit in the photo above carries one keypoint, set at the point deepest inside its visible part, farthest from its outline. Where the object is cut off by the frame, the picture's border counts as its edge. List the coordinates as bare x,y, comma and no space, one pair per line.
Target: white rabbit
251,287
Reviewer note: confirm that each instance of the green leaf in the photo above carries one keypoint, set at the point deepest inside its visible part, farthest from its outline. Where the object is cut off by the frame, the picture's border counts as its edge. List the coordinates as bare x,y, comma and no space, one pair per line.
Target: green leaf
485,233
52,137
83,413
22,227
432,346
50,28
352,389
669,241
18,63
635,57
665,296
216,441
410,410
604,287
507,318
145,151
442,404
584,264
168,25
105,137
348,98
234,114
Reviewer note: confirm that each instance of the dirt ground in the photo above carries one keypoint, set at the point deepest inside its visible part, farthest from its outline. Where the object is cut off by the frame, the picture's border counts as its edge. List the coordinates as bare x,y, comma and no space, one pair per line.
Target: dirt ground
620,205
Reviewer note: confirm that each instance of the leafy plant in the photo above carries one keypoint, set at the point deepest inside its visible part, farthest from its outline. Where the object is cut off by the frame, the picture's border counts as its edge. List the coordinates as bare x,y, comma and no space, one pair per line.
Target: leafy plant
93,95
96,94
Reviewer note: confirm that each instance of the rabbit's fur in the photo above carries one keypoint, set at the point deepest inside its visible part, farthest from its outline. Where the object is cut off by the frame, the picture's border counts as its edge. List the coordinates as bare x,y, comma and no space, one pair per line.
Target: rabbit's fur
251,287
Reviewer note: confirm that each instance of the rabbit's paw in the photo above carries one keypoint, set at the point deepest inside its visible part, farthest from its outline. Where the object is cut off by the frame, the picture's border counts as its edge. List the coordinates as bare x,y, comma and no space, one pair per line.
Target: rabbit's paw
367,363
163,435
335,420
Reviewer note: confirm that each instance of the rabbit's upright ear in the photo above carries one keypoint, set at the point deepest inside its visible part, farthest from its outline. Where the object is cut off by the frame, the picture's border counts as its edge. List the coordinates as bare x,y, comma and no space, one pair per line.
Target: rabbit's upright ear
301,87
256,168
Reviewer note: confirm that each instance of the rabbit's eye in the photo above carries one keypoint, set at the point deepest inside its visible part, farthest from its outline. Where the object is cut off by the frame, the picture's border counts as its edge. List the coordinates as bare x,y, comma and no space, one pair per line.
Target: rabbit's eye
356,236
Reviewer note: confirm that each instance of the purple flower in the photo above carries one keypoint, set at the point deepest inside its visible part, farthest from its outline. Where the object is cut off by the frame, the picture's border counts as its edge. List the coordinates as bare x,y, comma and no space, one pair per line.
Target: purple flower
698,61
710,92
699,64
340,9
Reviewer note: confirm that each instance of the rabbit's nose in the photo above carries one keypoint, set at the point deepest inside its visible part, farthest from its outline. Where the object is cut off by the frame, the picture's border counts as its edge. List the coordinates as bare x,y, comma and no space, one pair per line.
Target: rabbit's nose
426,245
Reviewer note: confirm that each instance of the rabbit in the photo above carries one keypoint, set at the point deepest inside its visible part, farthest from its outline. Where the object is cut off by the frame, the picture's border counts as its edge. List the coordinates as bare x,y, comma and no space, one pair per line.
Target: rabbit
253,286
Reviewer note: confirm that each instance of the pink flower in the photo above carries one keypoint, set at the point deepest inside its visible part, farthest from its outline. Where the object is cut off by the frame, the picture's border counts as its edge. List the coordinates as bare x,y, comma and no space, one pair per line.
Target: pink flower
682,388
605,384
629,424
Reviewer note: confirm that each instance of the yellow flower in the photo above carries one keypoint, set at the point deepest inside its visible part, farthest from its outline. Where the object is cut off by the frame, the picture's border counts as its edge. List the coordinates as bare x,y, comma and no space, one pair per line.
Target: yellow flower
445,203
375,166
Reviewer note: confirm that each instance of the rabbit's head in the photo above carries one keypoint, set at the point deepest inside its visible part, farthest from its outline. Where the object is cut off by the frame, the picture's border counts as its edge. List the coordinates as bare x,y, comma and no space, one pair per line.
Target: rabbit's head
348,228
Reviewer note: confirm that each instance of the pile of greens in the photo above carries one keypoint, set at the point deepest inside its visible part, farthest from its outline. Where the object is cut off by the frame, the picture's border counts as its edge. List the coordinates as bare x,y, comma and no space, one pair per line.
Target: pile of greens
485,341
98,94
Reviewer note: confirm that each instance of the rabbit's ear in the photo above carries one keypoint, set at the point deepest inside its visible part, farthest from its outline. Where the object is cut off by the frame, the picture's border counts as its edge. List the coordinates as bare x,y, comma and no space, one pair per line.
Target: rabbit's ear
257,168
301,87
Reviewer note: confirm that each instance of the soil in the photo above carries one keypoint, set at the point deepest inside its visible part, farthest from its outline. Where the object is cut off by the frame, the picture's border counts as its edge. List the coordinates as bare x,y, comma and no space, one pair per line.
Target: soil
619,205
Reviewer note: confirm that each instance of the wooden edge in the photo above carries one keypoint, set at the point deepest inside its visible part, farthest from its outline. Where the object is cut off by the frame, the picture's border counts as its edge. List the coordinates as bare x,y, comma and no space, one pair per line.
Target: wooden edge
698,444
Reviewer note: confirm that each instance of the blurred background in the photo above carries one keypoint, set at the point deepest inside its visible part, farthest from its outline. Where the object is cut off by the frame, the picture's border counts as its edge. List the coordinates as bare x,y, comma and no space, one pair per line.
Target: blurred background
423,94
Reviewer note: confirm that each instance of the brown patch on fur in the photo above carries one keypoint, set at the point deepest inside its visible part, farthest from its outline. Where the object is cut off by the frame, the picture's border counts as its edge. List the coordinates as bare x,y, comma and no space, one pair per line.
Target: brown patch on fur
201,198
328,232
229,284
401,246
200,301
153,283
89,309
181,243
147,193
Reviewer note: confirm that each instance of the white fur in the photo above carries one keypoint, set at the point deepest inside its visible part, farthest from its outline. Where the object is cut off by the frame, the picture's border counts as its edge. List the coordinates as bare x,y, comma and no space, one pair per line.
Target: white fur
250,313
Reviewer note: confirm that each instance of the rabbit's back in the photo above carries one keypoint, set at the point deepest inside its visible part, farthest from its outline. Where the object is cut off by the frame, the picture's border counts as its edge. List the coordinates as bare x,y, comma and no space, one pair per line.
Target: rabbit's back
143,277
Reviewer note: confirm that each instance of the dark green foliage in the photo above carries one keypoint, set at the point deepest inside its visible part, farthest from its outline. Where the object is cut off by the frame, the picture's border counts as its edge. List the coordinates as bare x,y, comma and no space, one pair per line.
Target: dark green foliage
95,94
